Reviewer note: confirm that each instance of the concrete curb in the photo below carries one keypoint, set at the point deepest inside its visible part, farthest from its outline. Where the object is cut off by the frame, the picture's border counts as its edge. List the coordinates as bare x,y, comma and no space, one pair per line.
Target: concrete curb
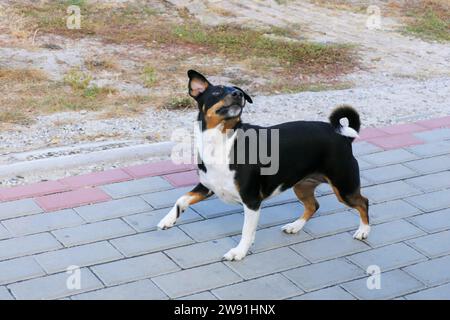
137,152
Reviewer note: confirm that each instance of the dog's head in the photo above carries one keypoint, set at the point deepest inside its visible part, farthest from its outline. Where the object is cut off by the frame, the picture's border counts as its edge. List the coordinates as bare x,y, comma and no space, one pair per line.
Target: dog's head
217,104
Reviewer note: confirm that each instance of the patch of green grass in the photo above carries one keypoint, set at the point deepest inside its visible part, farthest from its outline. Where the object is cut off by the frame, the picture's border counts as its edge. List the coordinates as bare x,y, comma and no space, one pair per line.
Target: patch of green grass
77,79
311,87
429,25
149,76
14,116
241,43
179,103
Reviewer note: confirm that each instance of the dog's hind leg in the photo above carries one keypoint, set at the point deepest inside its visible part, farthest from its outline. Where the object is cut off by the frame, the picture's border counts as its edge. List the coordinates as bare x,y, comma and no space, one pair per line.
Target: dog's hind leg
199,193
360,203
348,191
305,193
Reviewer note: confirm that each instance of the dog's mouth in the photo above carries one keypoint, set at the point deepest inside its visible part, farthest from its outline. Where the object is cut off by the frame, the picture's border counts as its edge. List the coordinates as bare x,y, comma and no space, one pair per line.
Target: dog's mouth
231,111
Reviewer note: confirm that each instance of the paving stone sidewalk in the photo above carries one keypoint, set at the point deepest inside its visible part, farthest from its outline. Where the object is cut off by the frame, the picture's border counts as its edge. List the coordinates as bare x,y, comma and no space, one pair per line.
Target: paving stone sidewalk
105,224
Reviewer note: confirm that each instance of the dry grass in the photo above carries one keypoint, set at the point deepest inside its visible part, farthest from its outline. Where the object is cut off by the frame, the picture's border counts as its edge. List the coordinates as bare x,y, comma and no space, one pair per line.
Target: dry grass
429,19
28,92
99,64
137,23
178,42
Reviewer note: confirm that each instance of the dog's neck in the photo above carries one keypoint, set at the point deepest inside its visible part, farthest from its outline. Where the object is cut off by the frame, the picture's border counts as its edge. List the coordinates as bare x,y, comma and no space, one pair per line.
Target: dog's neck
230,124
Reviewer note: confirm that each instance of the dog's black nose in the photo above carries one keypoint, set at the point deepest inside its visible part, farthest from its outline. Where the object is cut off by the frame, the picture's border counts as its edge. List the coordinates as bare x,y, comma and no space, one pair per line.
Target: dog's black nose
237,93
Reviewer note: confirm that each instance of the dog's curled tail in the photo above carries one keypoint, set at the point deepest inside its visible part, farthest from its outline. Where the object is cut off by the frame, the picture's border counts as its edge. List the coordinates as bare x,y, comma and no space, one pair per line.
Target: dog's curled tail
354,123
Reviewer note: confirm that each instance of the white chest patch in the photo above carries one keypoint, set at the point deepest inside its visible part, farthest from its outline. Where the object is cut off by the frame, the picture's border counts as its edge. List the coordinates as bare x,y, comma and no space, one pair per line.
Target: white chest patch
214,148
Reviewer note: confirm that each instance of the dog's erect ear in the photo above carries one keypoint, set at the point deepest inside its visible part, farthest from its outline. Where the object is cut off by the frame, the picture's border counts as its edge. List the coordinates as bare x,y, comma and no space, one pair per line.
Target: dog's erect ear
197,83
246,96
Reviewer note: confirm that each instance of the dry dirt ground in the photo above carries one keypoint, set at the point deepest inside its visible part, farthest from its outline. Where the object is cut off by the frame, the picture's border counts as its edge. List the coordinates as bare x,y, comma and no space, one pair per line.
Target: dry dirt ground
398,77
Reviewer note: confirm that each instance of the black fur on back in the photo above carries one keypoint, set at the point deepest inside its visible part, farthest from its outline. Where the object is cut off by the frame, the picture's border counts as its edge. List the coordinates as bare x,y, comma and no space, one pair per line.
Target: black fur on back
345,111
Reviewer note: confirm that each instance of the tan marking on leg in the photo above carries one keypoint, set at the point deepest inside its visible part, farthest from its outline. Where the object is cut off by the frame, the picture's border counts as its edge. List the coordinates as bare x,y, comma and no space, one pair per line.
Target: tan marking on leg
360,203
304,191
195,197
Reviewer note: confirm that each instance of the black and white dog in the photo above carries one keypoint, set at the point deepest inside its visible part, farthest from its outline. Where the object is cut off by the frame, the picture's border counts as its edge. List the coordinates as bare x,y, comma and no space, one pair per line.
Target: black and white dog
310,153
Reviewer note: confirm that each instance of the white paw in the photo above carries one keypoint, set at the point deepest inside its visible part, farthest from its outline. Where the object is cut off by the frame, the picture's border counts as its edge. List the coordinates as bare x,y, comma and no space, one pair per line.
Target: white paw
235,254
362,232
169,220
294,227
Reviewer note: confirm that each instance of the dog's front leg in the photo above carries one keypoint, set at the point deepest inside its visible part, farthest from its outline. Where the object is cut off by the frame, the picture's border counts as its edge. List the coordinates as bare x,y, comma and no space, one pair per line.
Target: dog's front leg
199,193
251,218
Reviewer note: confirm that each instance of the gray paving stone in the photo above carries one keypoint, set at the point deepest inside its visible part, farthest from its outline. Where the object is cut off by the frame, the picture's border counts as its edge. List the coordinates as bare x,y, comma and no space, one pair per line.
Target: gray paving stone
93,232
363,165
330,224
329,204
388,173
280,214
13,209
19,269
195,280
431,272
82,256
434,135
274,237
434,245
139,290
431,201
37,243
4,234
215,208
113,209
391,210
363,147
431,182
389,191
54,286
43,222
389,157
214,228
393,284
436,293
433,221
148,221
324,274
165,199
431,149
146,266
323,189
136,187
332,293
430,165
273,287
392,232
267,262
387,258
331,247
286,196
199,296
201,253
4,294
151,241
